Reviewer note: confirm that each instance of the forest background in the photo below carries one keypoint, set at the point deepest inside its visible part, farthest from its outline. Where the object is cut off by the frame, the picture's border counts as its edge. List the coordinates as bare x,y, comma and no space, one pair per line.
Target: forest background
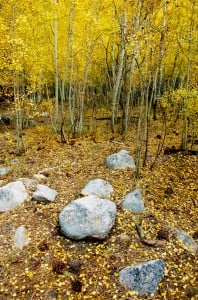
133,59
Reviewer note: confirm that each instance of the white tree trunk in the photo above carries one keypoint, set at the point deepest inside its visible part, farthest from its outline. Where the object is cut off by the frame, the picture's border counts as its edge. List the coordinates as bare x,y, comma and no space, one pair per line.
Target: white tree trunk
120,69
82,94
157,82
56,68
185,122
132,68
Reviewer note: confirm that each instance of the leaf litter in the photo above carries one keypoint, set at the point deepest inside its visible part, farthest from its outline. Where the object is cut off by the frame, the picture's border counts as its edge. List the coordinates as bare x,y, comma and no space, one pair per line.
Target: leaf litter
54,267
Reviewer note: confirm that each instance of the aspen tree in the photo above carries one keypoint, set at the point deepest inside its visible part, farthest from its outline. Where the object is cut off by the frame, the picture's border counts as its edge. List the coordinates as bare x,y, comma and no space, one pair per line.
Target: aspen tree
87,44
132,67
82,92
157,79
68,56
16,67
56,65
118,77
188,74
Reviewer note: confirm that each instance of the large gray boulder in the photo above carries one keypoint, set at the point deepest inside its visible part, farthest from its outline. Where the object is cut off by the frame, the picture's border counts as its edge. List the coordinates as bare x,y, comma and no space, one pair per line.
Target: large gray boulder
144,277
12,195
120,160
98,187
87,217
133,202
44,194
20,237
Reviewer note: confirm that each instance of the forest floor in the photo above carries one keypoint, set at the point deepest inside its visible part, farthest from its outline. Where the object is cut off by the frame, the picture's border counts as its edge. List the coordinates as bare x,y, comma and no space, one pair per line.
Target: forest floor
43,269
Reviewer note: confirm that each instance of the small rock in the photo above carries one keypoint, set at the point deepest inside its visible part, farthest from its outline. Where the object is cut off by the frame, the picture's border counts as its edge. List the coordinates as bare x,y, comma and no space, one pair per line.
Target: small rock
153,243
185,239
52,294
143,277
15,161
123,238
75,265
48,171
20,237
44,194
120,160
12,195
40,177
98,187
4,171
133,202
28,182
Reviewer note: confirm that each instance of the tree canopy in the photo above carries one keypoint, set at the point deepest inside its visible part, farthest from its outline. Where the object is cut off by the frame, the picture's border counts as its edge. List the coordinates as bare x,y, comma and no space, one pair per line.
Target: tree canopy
163,33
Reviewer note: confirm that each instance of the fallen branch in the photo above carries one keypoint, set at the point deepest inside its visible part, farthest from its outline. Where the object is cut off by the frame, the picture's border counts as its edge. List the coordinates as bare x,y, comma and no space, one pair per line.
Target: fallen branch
173,150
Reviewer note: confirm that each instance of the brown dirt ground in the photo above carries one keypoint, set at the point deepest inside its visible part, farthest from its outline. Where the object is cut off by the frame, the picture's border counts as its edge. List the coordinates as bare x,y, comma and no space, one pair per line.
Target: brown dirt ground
42,269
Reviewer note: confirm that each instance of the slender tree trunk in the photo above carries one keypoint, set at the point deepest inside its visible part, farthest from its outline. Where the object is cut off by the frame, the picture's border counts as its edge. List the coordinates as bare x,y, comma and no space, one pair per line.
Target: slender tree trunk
68,54
139,142
56,68
120,70
185,118
18,115
71,97
15,78
82,94
107,69
157,83
141,123
113,65
132,68
147,116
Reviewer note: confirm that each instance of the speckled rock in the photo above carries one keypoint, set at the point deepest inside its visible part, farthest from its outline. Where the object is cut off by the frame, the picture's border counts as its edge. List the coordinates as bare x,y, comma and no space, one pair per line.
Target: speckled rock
185,239
12,195
20,238
87,217
98,187
144,277
120,160
4,171
133,202
44,194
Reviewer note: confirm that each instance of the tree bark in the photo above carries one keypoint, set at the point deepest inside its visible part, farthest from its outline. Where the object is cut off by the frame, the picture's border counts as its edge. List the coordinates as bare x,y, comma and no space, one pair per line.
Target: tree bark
132,68
120,70
56,68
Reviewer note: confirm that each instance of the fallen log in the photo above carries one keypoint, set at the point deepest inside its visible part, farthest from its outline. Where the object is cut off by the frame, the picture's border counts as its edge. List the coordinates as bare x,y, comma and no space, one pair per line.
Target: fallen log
173,150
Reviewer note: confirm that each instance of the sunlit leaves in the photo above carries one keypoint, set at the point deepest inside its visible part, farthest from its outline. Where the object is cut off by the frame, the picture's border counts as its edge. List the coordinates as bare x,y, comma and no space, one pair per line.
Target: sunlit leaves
26,30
